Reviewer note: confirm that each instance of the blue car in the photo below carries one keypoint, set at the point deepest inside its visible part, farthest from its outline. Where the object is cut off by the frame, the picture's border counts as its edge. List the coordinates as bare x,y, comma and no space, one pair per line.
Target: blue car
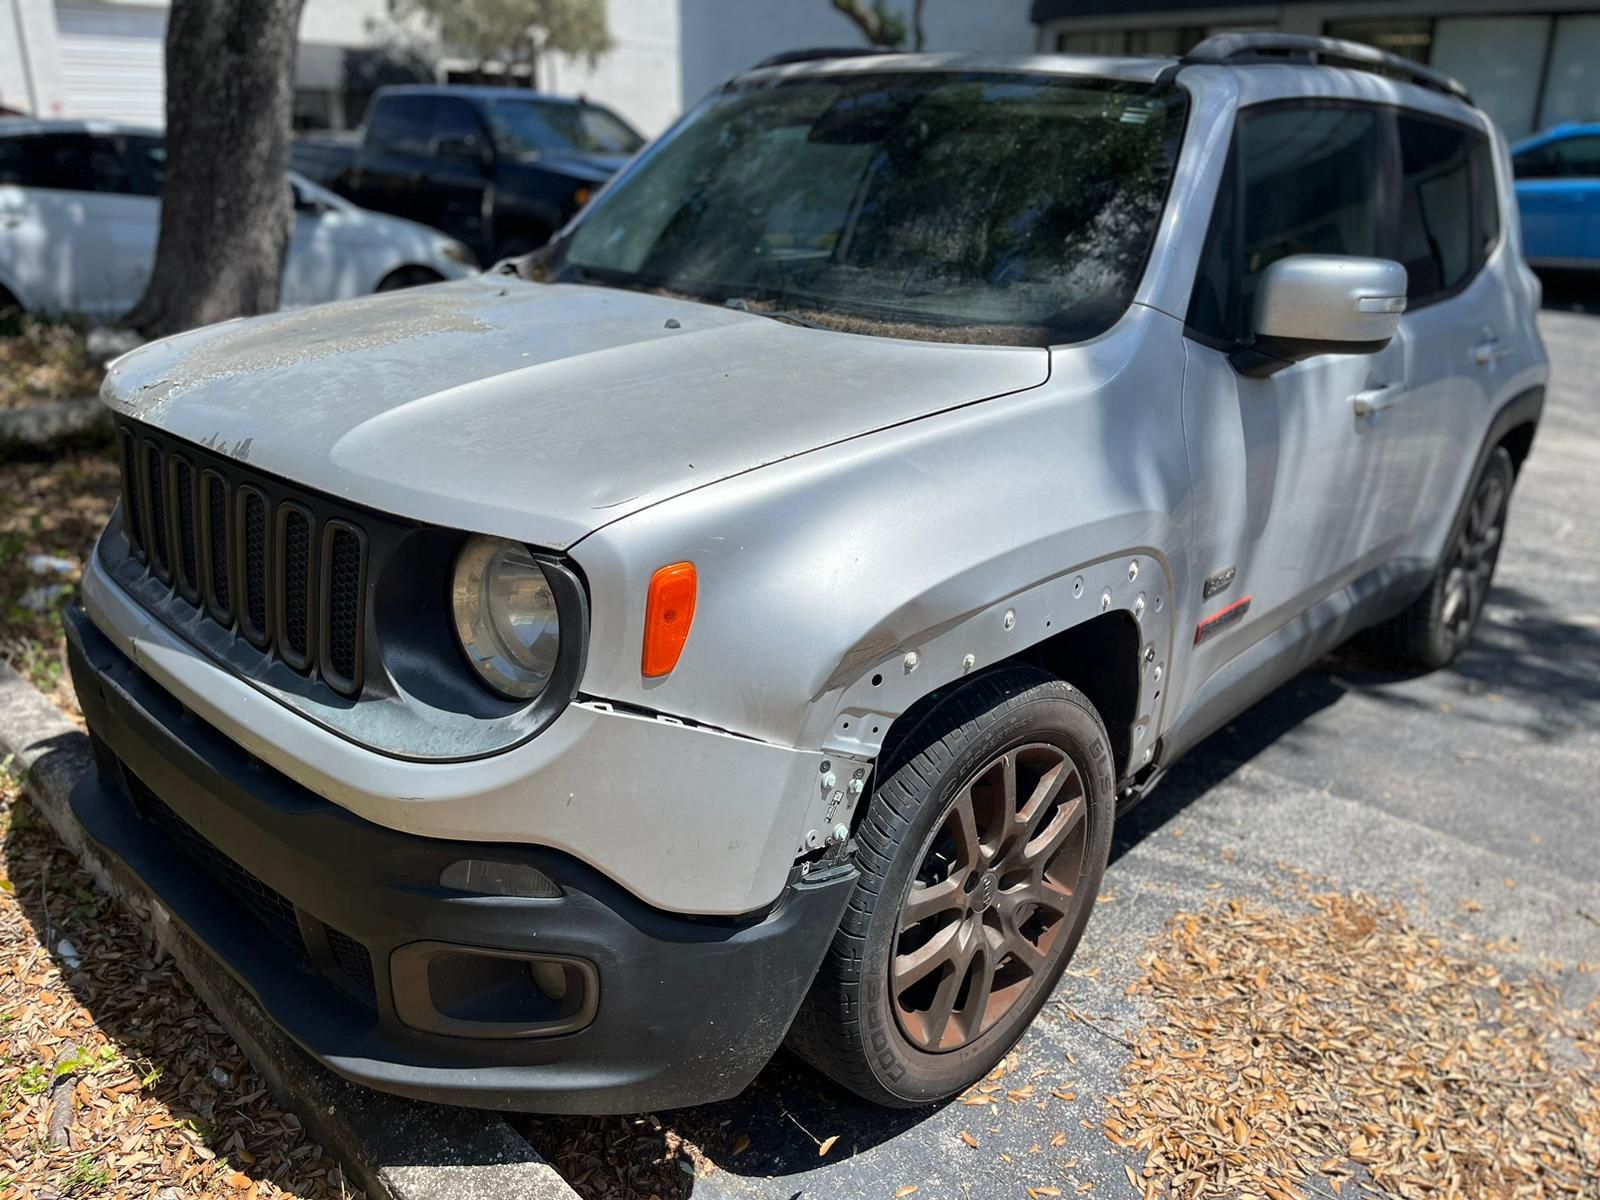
1558,191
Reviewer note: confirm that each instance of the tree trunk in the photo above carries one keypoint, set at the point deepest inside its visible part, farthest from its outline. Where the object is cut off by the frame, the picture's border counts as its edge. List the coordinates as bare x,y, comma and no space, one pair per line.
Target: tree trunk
226,206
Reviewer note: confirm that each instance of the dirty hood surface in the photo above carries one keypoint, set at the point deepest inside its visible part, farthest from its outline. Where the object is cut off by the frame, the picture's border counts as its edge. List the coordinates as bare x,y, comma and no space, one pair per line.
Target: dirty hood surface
532,411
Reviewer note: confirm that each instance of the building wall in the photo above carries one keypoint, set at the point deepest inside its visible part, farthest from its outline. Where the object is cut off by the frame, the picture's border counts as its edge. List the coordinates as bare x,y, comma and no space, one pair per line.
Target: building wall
639,76
30,68
1527,63
724,37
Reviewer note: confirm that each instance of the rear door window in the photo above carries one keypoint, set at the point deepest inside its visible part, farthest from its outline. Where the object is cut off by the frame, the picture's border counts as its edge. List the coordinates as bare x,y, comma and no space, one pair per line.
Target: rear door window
1435,231
1300,180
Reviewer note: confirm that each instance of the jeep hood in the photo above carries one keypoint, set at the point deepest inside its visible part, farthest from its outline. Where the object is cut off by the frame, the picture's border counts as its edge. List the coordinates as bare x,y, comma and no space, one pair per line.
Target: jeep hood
536,411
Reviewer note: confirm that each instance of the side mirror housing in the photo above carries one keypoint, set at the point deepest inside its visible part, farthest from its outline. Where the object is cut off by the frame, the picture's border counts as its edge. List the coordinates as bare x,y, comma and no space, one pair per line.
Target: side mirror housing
1310,304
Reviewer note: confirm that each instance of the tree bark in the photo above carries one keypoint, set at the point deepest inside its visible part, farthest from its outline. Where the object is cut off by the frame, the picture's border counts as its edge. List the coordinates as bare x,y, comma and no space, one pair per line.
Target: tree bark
226,206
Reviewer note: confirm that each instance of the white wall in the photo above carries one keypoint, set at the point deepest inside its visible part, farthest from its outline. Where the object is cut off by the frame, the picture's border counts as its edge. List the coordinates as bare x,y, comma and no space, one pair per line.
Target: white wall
724,37
343,22
34,85
639,77
670,53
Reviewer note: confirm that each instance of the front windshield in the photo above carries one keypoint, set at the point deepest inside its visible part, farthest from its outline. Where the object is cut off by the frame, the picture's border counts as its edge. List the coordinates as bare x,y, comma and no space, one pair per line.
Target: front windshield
538,127
950,206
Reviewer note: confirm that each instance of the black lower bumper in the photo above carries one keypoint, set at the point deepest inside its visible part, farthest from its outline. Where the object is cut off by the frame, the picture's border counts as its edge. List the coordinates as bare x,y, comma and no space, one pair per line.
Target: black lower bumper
306,904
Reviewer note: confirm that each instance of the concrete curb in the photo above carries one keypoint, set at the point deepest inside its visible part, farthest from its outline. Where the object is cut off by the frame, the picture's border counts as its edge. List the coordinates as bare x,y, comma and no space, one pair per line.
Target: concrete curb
394,1149
41,428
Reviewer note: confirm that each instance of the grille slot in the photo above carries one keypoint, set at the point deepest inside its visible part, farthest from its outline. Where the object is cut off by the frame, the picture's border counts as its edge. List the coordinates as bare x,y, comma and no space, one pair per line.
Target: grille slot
219,563
275,567
345,571
155,495
132,510
253,564
294,574
188,537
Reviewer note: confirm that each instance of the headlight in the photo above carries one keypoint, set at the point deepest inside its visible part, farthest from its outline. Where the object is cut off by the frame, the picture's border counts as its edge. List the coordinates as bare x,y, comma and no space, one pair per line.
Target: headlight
505,616
457,252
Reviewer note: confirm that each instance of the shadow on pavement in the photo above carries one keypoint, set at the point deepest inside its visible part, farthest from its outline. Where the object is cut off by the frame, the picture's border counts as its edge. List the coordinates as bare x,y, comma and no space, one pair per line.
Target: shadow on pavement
1571,291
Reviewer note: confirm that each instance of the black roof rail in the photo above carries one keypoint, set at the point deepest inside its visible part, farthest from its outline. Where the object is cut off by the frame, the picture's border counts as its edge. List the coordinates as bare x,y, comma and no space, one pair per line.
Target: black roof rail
1236,48
816,54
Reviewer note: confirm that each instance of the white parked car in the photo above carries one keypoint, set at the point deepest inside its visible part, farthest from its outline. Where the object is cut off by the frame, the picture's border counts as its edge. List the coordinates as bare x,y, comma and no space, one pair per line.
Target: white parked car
80,210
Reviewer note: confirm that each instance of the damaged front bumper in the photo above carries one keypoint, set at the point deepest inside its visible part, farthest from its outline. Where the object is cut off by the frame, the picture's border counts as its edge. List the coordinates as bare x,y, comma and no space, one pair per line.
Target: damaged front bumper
496,975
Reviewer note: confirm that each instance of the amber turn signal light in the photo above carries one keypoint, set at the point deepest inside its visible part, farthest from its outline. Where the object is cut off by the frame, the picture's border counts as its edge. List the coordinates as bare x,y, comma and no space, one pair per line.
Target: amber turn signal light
668,613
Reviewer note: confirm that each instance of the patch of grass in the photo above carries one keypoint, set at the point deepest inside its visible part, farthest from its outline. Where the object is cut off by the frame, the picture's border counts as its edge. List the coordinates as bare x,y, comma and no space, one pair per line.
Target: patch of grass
86,1176
43,361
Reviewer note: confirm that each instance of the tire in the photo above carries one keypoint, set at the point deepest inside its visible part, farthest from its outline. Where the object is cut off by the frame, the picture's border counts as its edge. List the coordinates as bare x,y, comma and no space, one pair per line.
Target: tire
11,314
875,1036
1431,632
405,277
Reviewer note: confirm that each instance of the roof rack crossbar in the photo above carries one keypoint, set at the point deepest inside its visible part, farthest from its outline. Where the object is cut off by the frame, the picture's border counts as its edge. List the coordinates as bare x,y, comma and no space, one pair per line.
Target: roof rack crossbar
1237,48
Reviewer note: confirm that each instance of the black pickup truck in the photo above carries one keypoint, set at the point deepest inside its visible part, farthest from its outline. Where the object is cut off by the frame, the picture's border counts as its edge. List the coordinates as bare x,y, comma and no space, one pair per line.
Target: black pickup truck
500,169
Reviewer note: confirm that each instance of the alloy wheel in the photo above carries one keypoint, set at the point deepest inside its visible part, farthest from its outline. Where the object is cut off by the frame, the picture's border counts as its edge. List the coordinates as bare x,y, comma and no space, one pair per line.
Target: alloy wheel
984,919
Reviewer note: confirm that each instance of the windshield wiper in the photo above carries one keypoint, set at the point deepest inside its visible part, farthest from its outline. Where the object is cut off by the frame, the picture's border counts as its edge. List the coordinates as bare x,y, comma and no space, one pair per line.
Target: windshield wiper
740,304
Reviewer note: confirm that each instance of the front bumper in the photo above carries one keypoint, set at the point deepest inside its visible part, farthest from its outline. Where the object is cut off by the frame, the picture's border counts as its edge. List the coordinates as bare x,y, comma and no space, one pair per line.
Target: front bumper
306,904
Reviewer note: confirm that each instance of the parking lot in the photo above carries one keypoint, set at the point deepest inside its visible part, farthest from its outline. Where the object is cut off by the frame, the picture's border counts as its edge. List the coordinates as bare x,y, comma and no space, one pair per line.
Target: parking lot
1471,794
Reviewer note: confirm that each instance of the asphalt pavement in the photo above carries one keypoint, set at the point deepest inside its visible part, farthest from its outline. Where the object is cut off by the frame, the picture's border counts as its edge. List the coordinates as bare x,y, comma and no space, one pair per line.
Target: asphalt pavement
1480,783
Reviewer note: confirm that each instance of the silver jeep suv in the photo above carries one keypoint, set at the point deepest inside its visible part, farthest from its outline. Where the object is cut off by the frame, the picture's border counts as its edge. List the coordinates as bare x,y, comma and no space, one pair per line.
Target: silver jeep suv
742,620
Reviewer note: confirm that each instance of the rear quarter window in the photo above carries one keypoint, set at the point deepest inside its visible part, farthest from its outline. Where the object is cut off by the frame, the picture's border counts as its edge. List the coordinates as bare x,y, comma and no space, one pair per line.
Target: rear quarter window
1436,201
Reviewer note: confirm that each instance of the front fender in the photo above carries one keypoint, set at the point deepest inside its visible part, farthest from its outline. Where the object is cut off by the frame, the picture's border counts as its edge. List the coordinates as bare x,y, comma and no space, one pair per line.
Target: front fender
820,574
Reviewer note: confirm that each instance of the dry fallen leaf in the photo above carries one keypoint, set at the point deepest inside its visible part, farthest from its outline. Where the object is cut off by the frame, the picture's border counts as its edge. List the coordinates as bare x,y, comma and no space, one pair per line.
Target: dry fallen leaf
969,1139
826,1144
1291,1042
901,1193
740,1145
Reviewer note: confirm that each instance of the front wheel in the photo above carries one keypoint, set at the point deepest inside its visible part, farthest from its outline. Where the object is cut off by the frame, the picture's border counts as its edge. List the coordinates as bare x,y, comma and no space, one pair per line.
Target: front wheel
981,854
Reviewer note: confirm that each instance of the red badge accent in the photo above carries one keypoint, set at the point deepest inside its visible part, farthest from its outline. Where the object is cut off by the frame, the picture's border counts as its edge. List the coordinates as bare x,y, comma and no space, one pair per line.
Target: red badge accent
1221,619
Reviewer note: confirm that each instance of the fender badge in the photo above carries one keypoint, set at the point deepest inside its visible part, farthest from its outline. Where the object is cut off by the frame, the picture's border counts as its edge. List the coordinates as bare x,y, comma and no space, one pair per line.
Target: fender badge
1221,619
1220,582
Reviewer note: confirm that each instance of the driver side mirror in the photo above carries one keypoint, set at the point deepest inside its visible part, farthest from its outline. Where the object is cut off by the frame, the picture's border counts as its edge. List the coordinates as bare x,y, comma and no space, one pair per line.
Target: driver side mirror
1310,304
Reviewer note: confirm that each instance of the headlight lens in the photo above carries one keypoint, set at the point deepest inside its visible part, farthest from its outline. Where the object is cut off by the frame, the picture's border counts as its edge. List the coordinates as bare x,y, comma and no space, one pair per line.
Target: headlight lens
458,252
505,616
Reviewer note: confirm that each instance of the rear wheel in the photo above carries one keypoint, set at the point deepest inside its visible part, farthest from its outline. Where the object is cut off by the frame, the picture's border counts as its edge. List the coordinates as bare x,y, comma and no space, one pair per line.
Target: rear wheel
981,854
1431,632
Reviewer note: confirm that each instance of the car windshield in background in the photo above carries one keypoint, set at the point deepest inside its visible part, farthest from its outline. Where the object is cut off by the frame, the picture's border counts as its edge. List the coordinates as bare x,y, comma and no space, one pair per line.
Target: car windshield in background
536,127
948,206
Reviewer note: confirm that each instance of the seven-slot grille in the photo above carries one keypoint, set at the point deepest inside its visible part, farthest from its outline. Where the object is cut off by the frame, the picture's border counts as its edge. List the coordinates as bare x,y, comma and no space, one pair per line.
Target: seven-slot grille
285,578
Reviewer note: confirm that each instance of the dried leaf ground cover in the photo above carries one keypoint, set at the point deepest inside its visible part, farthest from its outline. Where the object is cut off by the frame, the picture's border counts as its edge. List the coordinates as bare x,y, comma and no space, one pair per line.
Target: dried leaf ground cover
48,511
43,361
1334,1047
115,1081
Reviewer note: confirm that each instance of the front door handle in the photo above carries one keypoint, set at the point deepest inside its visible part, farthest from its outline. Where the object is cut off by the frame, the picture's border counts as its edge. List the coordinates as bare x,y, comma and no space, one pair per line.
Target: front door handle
1489,351
1376,399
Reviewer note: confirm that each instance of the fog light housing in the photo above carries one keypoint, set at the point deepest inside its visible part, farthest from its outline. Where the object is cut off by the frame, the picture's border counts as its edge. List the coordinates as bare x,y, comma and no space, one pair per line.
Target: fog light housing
473,991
